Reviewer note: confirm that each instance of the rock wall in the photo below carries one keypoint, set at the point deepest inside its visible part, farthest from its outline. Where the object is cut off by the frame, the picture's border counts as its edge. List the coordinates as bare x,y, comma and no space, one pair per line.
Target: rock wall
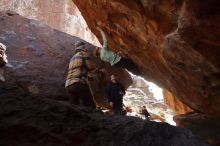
174,42
143,86
62,15
202,125
35,121
39,58
175,104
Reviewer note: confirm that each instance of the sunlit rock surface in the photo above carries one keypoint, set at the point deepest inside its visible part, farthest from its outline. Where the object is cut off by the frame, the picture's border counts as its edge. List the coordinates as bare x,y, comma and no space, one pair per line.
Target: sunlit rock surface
174,42
59,14
135,98
201,124
39,58
140,84
175,104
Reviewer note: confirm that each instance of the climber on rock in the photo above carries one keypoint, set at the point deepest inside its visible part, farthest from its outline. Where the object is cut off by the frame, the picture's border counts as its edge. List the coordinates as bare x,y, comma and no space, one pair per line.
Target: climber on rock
114,59
81,70
115,92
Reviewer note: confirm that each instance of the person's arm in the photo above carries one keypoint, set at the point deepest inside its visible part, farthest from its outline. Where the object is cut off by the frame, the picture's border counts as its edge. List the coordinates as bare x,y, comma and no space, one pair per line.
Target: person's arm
104,39
90,68
148,114
89,64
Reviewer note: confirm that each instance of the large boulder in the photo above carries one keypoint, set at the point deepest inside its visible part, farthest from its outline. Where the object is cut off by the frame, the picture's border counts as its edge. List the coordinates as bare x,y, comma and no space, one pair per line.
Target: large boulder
202,125
174,42
61,15
39,57
28,120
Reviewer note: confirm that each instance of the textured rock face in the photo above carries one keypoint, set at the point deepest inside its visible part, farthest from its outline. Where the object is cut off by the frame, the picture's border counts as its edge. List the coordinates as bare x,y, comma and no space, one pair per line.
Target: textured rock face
62,15
143,86
175,104
40,57
174,42
32,121
201,124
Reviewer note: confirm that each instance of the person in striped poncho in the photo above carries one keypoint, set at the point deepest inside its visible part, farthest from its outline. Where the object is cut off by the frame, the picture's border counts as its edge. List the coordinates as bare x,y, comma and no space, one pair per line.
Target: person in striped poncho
81,69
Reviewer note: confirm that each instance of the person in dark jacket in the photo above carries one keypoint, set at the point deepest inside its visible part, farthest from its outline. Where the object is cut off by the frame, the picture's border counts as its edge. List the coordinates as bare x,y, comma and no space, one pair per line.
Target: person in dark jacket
115,93
145,113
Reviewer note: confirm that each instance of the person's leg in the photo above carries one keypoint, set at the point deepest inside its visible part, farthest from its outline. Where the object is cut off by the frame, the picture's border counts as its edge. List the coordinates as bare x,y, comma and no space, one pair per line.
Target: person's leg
124,112
72,90
117,110
129,65
147,118
86,96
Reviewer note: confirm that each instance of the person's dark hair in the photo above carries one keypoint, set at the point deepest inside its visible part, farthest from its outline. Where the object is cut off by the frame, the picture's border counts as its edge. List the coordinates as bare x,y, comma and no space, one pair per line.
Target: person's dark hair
79,43
79,46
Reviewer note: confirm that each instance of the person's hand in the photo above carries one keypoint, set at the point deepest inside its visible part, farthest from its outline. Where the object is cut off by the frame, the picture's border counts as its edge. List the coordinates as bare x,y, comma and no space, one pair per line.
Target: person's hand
121,93
102,70
98,28
111,104
96,70
120,53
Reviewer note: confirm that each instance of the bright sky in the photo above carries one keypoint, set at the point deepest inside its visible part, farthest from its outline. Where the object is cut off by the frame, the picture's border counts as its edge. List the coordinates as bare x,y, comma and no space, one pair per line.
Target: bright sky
158,94
157,91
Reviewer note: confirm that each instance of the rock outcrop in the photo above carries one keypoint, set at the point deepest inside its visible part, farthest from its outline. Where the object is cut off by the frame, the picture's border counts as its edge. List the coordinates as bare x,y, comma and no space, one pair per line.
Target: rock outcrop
175,104
201,124
39,58
174,42
27,120
139,83
61,15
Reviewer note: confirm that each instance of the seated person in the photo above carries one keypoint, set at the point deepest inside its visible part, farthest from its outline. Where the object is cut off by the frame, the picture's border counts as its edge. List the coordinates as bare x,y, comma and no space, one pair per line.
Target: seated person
145,113
115,92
